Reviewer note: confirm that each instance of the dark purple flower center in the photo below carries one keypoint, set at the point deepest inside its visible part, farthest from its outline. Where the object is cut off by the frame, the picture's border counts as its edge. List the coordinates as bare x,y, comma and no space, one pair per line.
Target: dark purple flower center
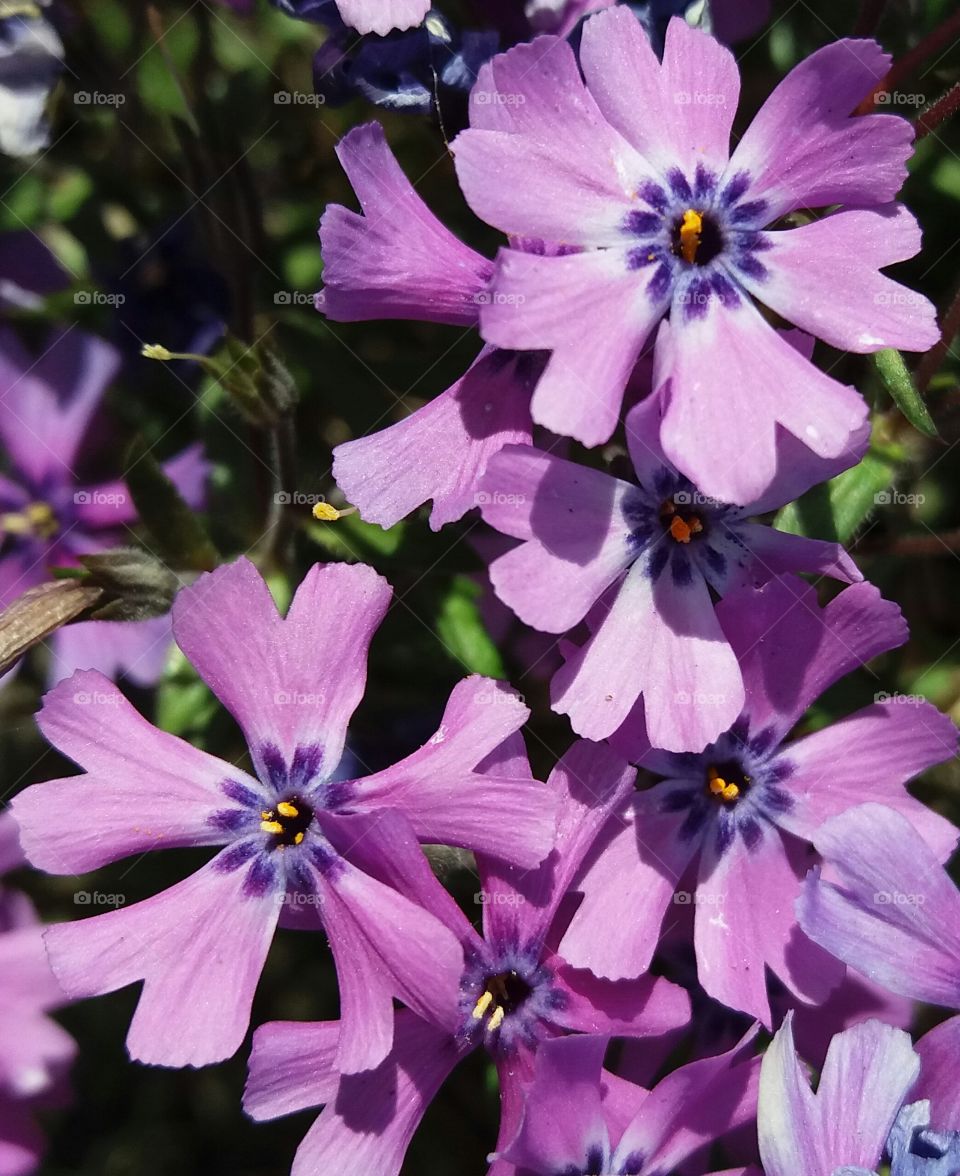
508,995
682,520
287,822
727,782
697,237
734,788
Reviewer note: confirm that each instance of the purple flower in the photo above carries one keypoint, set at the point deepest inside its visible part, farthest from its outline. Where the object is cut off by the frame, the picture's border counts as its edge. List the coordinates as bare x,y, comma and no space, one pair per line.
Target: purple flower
633,172
290,835
868,1072
513,994
581,1121
34,1051
48,516
658,553
397,261
728,828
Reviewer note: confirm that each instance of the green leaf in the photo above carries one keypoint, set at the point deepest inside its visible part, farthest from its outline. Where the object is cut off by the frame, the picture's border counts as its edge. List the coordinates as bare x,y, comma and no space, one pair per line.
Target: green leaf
835,509
462,631
178,534
899,383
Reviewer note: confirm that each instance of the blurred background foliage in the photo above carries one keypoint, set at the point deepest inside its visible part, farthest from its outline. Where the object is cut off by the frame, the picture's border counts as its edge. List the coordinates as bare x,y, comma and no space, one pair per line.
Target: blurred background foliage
196,196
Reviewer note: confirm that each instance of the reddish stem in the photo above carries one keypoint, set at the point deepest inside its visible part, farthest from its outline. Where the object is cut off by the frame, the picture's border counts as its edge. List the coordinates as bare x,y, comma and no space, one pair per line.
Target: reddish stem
946,32
939,112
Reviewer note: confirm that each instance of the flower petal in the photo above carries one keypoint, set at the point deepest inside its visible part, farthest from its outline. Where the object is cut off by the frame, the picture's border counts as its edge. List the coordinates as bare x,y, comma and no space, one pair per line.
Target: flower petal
292,1066
745,921
589,781
384,945
788,1122
545,303
872,756
775,552
806,149
675,114
879,1063
564,1116
396,261
369,1125
720,427
561,173
449,802
939,1050
142,788
692,1106
895,916
137,650
678,659
440,450
627,887
845,253
199,947
382,16
790,649
47,403
290,682
646,1007
577,535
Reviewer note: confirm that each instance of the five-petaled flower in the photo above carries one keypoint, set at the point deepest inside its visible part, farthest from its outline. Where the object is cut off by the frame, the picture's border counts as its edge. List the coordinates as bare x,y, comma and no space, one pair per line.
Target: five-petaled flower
290,830
631,171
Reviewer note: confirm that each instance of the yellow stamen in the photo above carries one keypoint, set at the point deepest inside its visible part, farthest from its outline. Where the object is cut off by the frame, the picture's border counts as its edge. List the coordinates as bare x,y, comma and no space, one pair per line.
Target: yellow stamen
285,809
480,1008
36,518
297,838
271,826
731,792
325,513
683,529
690,229
497,1019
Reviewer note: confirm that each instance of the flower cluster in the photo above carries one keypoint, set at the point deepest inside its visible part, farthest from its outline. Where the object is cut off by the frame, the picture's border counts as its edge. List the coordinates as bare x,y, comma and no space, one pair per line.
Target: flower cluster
709,860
